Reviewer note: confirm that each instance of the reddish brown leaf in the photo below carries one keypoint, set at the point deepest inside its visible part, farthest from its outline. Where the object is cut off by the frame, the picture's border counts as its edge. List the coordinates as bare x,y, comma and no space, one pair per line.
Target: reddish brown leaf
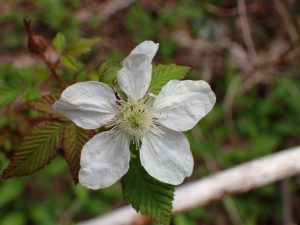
74,139
44,105
36,150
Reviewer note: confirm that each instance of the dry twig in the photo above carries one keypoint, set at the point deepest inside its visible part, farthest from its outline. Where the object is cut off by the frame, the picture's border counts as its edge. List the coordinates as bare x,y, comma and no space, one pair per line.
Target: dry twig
246,31
288,22
239,179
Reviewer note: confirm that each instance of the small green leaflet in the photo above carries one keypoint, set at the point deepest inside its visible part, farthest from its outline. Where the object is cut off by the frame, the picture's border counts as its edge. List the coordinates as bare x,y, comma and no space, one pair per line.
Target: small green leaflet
31,93
108,73
147,195
36,150
59,42
8,95
71,63
17,82
74,138
74,48
161,74
81,46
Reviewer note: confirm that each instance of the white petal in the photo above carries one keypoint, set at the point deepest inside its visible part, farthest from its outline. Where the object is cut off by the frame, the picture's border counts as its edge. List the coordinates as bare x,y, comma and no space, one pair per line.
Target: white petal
104,160
89,105
167,156
135,77
181,104
147,48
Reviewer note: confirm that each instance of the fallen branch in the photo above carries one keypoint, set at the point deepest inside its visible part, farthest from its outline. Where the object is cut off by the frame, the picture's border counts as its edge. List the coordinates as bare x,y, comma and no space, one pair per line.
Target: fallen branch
239,179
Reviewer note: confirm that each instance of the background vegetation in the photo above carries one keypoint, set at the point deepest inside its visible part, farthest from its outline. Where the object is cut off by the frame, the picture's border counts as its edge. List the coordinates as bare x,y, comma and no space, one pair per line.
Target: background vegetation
257,88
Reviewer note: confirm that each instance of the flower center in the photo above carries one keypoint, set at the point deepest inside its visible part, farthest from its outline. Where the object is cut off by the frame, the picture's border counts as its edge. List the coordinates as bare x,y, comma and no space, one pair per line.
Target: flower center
134,118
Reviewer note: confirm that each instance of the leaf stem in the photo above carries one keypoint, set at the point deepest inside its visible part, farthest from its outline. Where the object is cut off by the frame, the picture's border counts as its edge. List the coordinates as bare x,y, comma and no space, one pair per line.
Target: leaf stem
53,73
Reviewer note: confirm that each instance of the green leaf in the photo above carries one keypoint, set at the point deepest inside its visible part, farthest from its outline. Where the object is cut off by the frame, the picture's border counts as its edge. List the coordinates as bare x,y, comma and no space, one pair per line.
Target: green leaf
146,194
74,138
8,95
82,46
71,62
163,73
59,42
108,73
36,150
15,218
31,93
44,105
10,191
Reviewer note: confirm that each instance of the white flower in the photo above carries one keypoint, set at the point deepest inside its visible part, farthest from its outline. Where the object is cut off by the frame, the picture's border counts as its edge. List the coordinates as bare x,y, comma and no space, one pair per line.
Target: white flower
156,122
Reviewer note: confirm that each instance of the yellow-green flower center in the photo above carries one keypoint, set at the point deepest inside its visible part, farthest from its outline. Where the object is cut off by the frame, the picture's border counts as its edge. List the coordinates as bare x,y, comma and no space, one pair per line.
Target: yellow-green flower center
134,118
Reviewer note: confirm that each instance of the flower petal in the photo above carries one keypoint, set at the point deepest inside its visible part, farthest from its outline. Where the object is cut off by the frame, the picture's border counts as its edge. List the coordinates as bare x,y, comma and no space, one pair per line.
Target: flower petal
166,156
104,160
181,104
89,104
135,77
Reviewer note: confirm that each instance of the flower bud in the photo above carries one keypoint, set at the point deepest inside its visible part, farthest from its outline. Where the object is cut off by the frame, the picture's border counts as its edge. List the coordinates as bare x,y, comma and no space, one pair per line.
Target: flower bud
36,43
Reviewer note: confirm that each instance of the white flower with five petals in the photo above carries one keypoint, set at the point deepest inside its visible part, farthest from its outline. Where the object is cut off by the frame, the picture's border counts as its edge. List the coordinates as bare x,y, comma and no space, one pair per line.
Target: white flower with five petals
155,121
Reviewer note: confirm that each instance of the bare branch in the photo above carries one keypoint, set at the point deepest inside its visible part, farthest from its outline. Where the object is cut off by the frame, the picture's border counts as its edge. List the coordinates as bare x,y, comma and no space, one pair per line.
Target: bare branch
239,179
288,21
247,32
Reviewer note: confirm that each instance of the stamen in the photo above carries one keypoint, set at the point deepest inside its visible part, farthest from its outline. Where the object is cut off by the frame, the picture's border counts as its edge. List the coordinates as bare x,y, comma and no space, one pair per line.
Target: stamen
134,119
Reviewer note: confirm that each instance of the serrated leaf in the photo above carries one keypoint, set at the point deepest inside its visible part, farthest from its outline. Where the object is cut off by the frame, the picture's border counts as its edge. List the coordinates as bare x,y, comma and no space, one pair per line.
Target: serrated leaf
74,138
44,105
59,42
108,73
163,73
8,95
71,62
146,194
36,150
81,46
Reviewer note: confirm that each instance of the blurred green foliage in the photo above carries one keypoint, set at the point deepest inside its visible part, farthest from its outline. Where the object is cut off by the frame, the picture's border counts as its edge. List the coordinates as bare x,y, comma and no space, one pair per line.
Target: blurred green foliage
265,117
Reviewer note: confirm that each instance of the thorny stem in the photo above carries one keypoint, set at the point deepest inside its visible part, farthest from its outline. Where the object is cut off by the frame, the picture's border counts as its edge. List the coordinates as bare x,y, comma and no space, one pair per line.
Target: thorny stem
53,73
27,24
38,46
